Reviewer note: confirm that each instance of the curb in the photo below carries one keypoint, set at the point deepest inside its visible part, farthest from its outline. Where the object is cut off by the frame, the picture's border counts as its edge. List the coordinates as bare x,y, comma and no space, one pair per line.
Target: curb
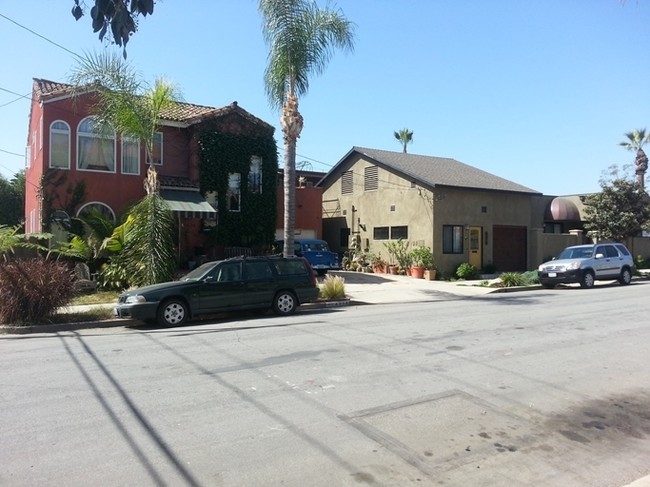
85,325
59,327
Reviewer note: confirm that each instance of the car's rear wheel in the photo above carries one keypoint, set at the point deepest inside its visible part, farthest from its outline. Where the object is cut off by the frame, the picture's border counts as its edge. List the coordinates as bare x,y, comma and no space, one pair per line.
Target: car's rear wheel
172,312
587,280
626,276
285,303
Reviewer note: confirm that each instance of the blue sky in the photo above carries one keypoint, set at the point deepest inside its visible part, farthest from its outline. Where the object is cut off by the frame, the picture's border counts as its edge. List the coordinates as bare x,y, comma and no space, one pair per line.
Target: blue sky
539,93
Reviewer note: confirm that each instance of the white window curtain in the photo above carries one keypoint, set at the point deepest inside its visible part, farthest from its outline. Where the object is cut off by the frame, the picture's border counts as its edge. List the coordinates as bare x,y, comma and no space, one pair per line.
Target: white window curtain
130,155
95,146
60,145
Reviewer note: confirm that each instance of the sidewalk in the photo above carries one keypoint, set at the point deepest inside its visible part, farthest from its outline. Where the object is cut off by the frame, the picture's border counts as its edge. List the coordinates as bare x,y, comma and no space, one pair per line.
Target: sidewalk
389,288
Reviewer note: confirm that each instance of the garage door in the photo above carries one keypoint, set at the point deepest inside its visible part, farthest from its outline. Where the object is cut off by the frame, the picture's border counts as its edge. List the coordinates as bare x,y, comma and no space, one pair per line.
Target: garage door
509,248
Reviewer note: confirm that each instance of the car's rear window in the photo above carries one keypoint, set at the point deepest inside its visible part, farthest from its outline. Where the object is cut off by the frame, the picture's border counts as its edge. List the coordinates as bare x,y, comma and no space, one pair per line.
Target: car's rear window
290,267
315,247
623,249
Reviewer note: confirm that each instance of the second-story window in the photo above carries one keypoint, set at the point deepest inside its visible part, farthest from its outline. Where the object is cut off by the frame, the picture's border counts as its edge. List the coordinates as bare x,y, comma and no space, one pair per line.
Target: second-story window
157,155
130,155
234,192
255,175
60,145
95,146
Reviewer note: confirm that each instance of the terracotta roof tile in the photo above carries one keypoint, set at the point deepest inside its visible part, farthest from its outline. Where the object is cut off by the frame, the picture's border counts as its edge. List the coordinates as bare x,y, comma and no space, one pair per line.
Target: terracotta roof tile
182,112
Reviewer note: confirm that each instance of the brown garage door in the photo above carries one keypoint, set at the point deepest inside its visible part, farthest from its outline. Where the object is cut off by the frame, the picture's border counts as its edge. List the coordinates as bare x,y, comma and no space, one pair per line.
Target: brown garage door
509,251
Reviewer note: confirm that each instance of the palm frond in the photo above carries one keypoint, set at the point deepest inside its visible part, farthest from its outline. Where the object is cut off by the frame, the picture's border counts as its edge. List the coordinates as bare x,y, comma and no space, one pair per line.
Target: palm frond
302,39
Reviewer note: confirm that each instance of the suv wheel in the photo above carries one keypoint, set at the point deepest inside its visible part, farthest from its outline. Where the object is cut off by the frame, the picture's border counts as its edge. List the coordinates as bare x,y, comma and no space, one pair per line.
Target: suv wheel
587,280
172,312
284,303
626,277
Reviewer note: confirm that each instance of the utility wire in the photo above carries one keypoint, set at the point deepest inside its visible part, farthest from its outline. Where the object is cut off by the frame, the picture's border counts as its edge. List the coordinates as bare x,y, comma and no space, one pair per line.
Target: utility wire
41,36
12,153
14,93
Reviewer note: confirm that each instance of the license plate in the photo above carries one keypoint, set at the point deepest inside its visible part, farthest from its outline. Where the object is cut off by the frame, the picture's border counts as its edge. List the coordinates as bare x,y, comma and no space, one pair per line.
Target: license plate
552,274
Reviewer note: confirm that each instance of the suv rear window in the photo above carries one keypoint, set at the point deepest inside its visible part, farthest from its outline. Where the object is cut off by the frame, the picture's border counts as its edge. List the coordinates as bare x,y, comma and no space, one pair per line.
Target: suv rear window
290,267
623,249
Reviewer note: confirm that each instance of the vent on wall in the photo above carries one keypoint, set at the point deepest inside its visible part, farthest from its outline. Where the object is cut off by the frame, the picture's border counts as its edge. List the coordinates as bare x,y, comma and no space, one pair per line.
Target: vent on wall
392,207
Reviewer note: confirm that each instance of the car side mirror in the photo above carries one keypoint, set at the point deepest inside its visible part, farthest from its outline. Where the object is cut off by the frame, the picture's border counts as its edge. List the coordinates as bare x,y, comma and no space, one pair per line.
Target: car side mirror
599,256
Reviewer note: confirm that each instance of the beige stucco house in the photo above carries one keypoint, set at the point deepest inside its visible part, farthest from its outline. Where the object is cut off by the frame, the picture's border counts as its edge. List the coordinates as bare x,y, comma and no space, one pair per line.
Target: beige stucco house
464,214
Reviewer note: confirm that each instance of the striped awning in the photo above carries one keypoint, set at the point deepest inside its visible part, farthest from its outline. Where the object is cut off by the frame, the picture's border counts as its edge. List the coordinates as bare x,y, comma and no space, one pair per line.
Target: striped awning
188,203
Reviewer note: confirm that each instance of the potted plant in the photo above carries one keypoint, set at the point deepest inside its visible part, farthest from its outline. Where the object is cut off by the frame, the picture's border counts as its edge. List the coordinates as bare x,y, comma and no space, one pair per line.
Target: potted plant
378,264
422,259
398,250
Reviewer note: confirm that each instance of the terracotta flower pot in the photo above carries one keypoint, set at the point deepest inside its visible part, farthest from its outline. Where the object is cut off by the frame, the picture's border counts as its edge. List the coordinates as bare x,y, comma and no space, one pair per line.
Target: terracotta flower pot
417,272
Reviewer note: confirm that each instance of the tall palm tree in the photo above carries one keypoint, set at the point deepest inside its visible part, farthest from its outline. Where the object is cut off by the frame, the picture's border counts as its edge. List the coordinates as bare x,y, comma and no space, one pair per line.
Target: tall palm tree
636,139
405,137
301,39
134,110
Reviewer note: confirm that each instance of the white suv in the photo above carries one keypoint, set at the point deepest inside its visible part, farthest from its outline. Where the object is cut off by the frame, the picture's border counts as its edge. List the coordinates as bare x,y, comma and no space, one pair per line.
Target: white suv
586,264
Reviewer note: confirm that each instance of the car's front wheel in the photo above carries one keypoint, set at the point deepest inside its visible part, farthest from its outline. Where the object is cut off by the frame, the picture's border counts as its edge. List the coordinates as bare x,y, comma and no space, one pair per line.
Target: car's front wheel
172,312
626,277
548,286
587,280
285,303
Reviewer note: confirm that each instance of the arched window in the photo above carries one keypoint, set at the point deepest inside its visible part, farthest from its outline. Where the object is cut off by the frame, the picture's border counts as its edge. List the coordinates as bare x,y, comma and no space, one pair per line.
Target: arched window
60,145
95,146
89,208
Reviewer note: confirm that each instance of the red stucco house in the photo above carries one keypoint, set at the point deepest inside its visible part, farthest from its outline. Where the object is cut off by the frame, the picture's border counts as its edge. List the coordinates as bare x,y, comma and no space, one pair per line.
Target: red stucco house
215,167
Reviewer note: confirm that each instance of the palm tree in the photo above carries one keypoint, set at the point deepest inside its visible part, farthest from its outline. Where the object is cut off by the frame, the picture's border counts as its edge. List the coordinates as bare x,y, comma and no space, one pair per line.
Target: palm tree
301,39
405,137
636,139
134,109
128,104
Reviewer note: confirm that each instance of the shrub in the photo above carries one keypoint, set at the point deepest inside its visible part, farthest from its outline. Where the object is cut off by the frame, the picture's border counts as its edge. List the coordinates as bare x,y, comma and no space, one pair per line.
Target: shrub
466,271
642,263
33,289
332,287
512,279
530,278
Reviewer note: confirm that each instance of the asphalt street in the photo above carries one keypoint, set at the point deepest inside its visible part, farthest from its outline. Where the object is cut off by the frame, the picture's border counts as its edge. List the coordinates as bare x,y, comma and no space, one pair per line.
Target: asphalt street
440,386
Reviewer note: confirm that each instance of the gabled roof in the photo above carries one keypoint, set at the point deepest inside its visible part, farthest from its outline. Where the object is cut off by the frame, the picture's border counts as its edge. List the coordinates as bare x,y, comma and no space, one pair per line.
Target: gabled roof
432,171
185,113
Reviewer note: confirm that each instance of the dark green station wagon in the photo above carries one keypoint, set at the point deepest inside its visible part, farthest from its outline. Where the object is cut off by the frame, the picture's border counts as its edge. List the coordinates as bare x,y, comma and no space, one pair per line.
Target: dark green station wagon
241,283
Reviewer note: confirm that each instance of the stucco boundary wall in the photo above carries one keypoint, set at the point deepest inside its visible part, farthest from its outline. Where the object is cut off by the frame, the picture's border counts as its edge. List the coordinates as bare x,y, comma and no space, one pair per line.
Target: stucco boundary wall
545,246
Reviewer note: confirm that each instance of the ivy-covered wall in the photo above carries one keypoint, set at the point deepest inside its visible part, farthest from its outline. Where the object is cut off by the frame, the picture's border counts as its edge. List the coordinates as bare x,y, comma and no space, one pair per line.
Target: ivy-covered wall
221,154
